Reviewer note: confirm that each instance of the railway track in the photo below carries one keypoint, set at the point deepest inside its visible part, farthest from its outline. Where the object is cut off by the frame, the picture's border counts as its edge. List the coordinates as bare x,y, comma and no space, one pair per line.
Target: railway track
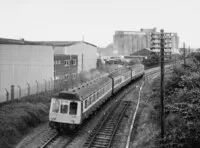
58,140
49,141
150,74
104,133
67,140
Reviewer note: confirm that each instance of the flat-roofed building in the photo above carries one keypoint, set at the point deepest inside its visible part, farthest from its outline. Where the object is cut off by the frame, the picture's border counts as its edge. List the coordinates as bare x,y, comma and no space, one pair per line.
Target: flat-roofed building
86,52
65,70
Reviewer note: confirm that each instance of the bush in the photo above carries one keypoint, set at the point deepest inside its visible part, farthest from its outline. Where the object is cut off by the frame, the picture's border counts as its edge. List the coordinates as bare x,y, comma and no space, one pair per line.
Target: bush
182,106
17,117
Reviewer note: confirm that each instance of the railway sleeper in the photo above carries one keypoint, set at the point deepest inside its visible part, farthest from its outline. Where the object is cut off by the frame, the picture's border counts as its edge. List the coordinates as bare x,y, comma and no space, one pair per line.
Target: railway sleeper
104,134
104,137
101,140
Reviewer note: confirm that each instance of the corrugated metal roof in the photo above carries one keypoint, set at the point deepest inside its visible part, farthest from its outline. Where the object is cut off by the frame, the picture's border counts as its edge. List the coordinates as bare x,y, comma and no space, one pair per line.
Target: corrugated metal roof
58,43
65,43
46,43
20,42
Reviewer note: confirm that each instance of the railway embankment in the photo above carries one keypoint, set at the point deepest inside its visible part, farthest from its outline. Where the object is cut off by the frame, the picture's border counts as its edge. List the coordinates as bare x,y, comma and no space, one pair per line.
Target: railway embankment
17,118
146,126
182,109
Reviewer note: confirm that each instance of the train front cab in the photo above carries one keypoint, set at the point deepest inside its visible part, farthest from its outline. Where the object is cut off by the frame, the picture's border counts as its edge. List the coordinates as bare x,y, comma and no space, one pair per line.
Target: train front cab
64,113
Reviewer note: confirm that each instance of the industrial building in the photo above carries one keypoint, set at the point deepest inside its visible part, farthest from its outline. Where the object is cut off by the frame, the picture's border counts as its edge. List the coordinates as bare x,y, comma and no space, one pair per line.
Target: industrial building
65,70
25,68
129,42
86,52
28,67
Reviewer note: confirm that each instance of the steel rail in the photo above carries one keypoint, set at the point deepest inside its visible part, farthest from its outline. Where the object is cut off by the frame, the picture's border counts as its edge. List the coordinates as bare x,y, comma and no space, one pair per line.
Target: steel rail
117,125
100,127
50,140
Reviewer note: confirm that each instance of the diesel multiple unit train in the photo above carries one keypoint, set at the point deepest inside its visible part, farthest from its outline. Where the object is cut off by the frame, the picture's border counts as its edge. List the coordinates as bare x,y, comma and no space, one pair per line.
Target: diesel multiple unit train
70,107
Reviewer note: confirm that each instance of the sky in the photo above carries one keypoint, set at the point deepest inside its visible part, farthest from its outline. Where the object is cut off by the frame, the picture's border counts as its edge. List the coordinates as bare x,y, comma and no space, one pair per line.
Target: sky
97,20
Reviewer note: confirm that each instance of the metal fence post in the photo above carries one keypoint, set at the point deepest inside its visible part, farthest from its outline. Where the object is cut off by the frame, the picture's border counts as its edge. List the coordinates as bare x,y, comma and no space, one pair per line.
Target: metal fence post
19,91
45,87
37,86
12,92
52,83
28,88
7,94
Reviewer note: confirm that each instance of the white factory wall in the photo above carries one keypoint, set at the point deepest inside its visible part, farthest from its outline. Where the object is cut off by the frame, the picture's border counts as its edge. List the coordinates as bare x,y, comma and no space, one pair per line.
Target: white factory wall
89,54
25,66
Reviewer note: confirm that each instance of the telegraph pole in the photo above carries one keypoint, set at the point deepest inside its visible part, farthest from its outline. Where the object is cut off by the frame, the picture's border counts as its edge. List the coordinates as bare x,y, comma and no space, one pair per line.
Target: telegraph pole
162,41
162,95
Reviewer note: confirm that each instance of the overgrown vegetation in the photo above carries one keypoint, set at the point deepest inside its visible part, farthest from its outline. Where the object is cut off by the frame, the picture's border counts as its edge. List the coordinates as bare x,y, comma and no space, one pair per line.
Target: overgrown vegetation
146,127
17,117
152,60
182,105
182,109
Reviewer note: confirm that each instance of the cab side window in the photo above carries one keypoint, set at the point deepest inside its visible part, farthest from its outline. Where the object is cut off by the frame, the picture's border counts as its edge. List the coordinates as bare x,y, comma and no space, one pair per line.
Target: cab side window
55,106
73,108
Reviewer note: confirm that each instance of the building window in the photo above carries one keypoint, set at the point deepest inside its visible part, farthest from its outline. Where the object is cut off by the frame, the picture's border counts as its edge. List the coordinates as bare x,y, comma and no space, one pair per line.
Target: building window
74,75
66,76
73,61
67,63
57,77
57,62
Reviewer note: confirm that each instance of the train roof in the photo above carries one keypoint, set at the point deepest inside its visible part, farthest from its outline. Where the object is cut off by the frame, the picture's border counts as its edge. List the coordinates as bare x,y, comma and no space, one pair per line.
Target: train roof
118,72
83,90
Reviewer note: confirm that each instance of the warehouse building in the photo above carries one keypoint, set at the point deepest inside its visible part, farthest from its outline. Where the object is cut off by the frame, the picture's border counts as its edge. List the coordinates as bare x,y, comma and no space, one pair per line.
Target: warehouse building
25,68
86,52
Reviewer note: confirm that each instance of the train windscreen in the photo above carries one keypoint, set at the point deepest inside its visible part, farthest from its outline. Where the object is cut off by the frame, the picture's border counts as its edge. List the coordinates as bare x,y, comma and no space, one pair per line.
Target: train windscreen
64,109
73,108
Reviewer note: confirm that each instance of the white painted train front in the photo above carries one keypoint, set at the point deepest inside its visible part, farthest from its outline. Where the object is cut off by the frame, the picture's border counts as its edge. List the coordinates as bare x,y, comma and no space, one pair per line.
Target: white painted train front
69,108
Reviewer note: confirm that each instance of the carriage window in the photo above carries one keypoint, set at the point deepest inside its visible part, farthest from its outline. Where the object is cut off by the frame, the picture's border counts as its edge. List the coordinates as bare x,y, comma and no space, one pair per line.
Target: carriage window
73,108
85,103
55,106
64,109
99,93
93,98
90,100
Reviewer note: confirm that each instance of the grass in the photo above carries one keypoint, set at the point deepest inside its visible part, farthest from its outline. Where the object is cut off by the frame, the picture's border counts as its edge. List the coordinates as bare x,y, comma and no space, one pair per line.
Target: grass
146,128
19,116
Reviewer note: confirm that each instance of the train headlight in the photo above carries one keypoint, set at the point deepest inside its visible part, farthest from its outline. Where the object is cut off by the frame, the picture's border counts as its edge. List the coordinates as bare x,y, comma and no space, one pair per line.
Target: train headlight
73,116
52,119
